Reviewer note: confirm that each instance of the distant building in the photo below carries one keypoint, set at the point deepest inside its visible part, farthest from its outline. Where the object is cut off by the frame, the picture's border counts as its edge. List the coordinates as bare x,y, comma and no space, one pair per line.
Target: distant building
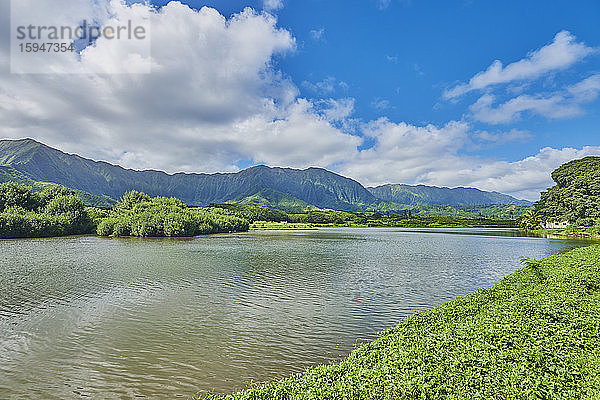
555,225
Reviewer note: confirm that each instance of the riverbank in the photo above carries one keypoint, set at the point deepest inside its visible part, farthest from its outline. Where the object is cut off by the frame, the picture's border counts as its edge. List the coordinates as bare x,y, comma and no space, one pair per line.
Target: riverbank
412,223
536,334
281,226
580,233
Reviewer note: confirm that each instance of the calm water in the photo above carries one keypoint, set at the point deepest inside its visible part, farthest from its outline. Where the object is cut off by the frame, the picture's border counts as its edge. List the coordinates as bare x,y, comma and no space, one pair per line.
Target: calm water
88,317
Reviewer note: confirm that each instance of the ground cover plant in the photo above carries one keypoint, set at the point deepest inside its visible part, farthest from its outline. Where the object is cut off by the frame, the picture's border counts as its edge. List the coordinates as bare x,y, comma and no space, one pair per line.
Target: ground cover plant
535,335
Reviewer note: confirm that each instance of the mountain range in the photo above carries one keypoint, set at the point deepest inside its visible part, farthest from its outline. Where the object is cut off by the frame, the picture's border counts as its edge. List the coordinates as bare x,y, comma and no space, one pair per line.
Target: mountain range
435,196
290,189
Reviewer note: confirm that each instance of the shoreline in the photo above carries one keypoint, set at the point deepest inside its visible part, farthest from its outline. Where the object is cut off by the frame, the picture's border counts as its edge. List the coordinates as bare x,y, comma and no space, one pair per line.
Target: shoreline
561,234
532,334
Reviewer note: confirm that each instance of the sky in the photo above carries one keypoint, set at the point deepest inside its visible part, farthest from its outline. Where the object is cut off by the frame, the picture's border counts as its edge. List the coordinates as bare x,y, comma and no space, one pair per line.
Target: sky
493,95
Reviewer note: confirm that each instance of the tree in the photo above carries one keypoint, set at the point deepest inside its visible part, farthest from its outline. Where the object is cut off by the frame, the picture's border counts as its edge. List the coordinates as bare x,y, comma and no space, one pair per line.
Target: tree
55,212
54,191
576,196
131,198
531,220
16,195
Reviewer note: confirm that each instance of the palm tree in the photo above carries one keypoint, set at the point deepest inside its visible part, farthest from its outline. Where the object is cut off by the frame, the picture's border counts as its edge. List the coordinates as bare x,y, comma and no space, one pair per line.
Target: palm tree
531,220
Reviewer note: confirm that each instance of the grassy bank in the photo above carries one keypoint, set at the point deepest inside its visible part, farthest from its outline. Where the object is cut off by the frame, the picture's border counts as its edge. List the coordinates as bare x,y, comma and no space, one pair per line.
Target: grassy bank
280,226
576,233
535,335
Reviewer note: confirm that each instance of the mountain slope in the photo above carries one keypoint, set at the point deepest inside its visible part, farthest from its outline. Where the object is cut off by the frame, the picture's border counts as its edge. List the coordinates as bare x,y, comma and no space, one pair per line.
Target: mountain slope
431,195
285,188
9,174
314,186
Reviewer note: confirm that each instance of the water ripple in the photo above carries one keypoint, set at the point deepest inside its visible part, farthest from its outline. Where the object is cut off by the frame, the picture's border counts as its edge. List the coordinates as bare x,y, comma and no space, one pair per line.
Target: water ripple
97,318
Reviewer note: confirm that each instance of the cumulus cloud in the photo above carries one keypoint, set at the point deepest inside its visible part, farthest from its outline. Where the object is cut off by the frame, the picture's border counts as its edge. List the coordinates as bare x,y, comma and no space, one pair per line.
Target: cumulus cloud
562,53
212,98
336,109
407,153
564,104
432,155
523,178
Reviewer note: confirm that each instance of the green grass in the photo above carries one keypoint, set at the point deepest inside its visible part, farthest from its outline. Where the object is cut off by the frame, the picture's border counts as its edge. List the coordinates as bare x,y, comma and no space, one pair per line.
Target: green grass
535,335
280,226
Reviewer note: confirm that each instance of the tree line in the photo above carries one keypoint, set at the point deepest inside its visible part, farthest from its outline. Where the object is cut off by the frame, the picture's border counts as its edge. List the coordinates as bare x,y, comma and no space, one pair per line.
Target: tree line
58,211
55,211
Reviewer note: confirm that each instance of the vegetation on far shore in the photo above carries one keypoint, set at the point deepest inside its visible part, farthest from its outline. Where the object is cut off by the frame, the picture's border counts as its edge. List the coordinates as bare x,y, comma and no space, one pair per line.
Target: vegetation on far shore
573,231
535,335
262,217
139,215
55,211
575,200
59,211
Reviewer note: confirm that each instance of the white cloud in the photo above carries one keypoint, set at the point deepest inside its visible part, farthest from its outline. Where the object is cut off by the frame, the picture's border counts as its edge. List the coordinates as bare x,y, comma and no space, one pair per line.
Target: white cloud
561,54
524,178
317,34
514,135
432,155
272,5
392,59
586,90
337,110
406,153
418,70
325,87
383,4
381,104
564,104
212,98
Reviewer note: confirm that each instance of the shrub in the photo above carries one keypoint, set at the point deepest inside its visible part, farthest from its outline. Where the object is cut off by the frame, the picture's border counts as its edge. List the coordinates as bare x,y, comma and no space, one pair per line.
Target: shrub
106,227
54,212
138,215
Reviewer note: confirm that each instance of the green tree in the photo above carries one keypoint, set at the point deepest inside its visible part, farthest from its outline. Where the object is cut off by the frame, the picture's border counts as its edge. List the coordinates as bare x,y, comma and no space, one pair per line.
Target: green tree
531,220
576,196
131,198
16,195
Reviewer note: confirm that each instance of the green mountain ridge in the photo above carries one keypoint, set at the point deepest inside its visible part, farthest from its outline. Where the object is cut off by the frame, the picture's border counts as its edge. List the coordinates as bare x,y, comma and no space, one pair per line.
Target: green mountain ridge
285,188
9,174
437,196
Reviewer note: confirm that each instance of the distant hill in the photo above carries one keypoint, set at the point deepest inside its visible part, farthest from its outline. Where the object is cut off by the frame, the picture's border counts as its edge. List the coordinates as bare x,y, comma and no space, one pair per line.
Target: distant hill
9,174
441,196
284,188
314,186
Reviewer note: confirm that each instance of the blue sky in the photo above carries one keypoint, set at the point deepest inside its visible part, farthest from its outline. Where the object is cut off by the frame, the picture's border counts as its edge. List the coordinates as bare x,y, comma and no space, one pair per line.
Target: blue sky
493,95
397,57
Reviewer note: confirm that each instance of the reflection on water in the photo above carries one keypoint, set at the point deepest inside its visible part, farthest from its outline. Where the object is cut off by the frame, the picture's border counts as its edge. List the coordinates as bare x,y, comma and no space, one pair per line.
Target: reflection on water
88,317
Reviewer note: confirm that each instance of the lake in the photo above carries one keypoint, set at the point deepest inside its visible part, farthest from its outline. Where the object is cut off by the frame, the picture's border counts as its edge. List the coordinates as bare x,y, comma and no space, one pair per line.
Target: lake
89,317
